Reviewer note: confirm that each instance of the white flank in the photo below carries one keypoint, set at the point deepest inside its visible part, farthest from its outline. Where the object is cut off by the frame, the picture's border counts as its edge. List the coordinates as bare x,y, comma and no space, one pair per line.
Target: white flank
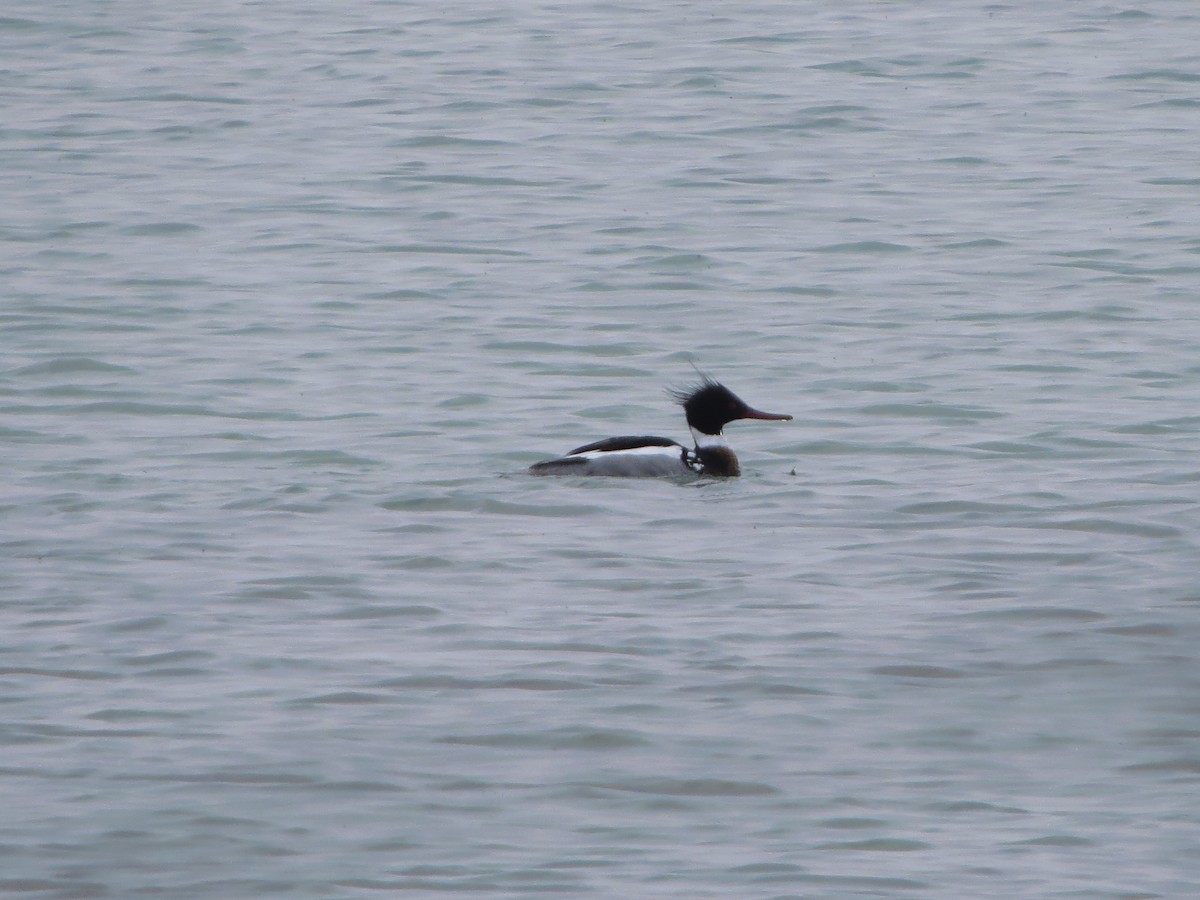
669,452
636,462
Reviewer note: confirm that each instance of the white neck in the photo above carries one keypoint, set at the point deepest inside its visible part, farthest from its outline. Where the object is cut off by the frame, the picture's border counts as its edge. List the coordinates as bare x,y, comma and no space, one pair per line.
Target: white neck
709,440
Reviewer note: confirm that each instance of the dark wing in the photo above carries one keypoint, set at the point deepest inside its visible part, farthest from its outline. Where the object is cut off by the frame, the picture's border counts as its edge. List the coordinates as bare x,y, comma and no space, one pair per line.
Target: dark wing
627,443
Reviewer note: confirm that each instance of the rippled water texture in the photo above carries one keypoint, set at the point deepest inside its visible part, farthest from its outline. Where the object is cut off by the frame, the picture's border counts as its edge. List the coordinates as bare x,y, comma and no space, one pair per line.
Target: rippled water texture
292,295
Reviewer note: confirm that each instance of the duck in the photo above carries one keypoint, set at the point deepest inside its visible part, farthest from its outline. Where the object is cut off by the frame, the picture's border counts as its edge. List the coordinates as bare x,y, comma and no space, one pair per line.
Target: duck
708,406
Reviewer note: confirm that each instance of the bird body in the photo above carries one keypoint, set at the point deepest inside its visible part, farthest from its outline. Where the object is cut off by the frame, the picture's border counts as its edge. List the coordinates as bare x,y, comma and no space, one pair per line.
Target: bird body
709,407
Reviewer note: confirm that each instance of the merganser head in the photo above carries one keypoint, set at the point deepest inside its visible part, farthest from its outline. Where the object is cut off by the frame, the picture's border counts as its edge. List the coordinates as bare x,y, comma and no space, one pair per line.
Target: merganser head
710,406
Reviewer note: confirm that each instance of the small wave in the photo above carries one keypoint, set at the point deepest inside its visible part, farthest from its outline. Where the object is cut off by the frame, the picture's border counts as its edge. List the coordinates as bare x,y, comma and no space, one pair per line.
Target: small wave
71,365
691,787
918,671
864,247
554,739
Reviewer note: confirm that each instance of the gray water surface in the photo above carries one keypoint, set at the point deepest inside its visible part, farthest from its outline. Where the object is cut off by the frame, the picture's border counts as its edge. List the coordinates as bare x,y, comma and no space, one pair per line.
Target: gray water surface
292,295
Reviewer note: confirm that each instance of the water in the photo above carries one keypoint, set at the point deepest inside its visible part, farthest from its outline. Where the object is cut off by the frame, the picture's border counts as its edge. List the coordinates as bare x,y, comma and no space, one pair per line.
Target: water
293,293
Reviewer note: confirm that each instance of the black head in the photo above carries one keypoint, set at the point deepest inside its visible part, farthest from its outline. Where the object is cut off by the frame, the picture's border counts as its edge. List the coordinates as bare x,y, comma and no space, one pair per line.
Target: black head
710,405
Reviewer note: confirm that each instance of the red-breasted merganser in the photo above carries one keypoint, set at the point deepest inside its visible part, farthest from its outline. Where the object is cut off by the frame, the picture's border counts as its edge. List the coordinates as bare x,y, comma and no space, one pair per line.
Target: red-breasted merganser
709,406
